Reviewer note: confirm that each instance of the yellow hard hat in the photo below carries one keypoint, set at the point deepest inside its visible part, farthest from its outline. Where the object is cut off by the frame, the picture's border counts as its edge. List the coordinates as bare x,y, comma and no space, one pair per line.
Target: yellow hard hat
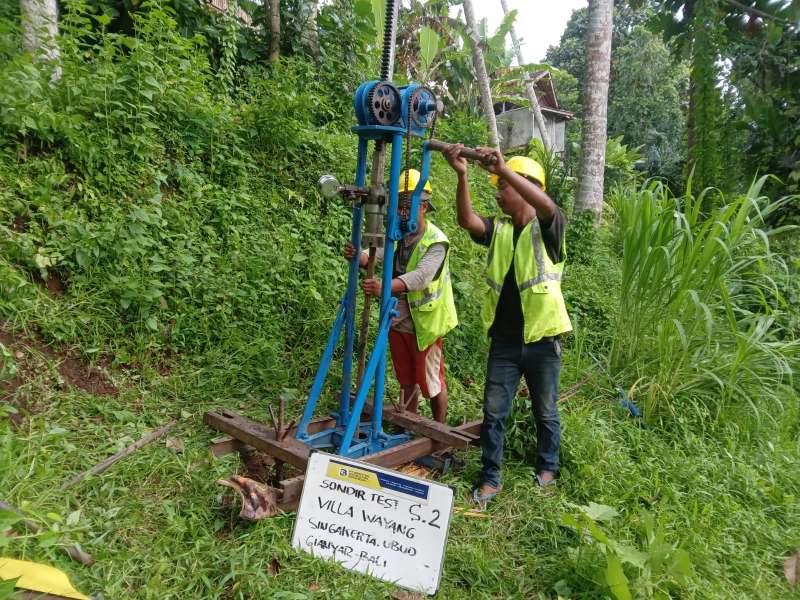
413,180
526,167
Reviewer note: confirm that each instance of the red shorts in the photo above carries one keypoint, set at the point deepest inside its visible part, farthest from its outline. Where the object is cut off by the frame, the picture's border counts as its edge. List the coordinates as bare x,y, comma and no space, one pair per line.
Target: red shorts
426,368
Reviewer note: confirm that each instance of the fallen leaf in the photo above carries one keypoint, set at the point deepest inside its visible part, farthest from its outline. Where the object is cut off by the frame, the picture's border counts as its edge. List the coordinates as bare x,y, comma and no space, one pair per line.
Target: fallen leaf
791,568
176,444
314,587
274,567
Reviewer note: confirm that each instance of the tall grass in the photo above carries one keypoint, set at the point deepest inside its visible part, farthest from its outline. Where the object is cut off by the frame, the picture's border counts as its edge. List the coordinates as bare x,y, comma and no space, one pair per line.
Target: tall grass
695,324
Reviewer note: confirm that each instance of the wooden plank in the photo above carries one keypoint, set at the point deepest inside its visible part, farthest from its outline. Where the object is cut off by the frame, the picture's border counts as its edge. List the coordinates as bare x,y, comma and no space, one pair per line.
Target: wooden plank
427,427
225,446
260,437
291,489
399,455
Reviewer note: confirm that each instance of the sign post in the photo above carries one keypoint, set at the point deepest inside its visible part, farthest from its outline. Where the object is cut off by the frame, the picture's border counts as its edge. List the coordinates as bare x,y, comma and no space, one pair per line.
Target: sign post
374,520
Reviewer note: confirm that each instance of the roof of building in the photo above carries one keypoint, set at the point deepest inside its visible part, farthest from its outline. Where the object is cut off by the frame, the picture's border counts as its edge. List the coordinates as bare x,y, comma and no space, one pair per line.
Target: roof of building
545,92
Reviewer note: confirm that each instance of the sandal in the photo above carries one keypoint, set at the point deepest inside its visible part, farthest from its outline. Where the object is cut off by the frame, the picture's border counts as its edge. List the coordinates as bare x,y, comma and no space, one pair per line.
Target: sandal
479,499
543,484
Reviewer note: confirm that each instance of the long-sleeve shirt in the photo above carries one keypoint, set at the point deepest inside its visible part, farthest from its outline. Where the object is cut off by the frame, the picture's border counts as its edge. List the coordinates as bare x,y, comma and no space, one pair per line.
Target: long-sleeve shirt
418,279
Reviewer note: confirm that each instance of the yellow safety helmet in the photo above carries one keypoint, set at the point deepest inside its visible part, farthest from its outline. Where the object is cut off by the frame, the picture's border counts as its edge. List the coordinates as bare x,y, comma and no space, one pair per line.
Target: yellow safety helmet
527,167
413,180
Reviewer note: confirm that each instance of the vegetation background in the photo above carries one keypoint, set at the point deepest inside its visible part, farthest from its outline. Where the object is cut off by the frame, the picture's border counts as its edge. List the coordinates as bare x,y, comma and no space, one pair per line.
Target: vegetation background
159,222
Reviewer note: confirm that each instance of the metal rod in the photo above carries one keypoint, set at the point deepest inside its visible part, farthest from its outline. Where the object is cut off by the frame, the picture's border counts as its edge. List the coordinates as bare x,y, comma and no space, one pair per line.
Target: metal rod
352,288
468,153
374,227
274,420
389,39
363,333
322,372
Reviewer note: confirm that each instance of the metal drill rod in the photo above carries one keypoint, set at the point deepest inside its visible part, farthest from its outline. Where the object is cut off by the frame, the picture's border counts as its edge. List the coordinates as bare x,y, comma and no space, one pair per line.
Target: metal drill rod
363,331
378,159
389,39
373,225
468,153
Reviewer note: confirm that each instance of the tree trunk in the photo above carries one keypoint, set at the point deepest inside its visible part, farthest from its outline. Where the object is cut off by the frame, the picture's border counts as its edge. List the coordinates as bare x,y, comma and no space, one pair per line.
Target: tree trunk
483,78
40,31
310,36
275,30
595,108
536,111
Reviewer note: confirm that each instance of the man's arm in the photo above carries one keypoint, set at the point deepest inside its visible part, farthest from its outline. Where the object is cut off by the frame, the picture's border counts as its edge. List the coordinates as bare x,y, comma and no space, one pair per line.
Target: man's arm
429,265
467,217
372,287
530,192
418,279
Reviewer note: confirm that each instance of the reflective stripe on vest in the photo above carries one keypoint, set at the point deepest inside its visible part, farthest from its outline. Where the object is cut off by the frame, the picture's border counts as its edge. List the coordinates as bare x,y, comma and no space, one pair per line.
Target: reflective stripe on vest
538,279
433,309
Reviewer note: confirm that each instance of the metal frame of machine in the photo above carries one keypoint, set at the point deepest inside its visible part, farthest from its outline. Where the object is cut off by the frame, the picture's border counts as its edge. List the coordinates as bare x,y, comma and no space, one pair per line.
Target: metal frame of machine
389,117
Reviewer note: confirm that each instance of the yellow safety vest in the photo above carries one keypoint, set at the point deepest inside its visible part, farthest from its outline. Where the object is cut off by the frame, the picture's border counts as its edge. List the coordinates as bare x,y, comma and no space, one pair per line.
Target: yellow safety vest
433,309
538,278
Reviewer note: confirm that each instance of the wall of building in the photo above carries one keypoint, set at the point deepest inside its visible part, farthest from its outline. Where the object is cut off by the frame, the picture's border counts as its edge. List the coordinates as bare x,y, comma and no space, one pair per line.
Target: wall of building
516,129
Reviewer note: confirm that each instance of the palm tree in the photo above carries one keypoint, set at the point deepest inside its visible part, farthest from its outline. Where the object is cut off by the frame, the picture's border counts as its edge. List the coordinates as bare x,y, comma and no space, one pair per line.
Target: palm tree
309,36
40,31
530,87
483,78
595,108
275,30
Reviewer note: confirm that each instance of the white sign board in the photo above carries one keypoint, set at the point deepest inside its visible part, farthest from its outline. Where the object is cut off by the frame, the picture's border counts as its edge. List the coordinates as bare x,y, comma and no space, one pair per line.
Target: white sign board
374,520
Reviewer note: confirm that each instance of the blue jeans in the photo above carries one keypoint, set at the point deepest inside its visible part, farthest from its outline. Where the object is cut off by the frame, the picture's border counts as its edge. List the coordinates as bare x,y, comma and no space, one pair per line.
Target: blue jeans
540,363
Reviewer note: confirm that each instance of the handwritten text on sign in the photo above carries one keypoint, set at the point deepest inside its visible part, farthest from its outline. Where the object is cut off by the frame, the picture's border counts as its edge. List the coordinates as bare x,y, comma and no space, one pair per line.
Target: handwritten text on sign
374,520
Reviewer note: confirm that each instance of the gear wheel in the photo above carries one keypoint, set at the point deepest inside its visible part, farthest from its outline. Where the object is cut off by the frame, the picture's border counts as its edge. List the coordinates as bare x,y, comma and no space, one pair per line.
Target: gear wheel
419,105
384,103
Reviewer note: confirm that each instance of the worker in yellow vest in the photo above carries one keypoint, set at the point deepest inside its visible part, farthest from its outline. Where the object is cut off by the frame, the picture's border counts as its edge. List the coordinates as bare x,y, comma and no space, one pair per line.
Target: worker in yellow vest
424,302
523,310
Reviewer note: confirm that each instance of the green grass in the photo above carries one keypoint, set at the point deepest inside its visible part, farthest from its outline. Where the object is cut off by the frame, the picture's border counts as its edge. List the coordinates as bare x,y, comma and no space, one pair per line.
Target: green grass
154,523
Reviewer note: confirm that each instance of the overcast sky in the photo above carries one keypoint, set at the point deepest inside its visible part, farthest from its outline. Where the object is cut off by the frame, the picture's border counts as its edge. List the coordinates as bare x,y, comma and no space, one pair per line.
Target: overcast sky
539,23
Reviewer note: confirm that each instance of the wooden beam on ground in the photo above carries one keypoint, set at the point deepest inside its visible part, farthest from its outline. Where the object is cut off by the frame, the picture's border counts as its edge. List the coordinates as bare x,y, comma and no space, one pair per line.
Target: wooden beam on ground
399,455
259,436
440,432
226,445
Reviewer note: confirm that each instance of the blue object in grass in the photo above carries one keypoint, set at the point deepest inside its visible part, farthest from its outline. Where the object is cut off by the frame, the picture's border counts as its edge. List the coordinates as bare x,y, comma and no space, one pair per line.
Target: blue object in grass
624,402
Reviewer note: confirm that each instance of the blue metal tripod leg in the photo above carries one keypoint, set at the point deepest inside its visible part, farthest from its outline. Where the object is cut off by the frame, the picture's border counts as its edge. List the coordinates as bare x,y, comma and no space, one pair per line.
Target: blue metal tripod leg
322,372
378,353
352,288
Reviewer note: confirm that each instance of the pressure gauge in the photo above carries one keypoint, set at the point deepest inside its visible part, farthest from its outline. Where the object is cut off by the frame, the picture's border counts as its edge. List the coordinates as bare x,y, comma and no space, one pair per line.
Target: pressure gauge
329,186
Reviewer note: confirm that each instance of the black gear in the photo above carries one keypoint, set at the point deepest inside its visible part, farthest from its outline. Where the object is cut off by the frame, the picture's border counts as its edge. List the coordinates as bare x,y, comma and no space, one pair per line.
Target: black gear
384,103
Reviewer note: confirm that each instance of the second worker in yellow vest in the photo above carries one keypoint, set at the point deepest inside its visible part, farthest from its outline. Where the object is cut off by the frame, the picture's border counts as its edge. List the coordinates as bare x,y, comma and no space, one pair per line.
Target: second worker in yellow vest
523,311
421,282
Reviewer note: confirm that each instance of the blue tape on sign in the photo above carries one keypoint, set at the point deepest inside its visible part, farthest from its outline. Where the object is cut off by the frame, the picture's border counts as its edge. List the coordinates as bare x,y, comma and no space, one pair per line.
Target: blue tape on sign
406,486
375,480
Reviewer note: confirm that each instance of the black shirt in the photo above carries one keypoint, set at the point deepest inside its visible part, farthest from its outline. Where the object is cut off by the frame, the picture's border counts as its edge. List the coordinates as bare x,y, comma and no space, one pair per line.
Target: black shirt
508,323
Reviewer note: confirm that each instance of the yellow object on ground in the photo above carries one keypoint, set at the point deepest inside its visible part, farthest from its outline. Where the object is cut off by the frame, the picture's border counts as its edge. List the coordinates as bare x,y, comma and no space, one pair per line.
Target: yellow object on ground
38,578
